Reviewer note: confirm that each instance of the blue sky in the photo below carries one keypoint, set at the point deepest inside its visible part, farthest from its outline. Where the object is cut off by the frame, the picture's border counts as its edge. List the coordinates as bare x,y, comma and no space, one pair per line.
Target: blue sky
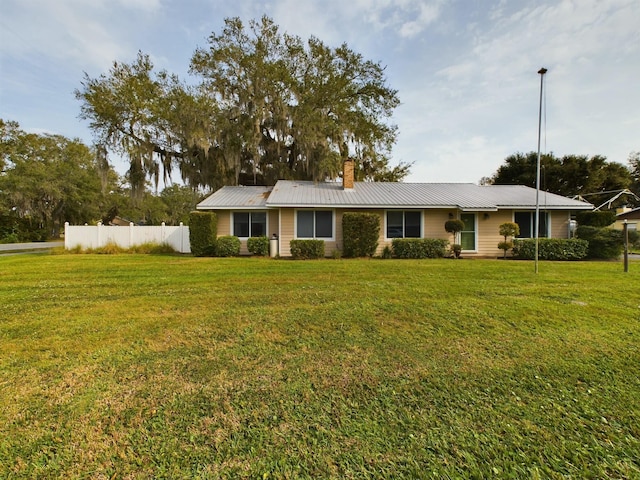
466,71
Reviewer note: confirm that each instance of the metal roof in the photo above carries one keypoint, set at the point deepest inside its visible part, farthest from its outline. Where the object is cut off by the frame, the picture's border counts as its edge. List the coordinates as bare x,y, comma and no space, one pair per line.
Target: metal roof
236,197
463,196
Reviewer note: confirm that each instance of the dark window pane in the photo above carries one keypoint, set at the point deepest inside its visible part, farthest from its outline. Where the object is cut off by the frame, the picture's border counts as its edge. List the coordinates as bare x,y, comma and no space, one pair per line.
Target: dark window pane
468,240
258,224
241,224
305,224
324,224
412,224
395,224
523,219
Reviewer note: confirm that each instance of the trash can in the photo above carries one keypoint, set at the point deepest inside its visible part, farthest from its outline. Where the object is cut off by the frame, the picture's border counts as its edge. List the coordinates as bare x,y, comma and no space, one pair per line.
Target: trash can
273,246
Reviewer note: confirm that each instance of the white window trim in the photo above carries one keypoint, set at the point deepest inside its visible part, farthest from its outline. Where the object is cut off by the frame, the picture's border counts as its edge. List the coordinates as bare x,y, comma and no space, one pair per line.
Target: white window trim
333,224
475,231
233,214
403,210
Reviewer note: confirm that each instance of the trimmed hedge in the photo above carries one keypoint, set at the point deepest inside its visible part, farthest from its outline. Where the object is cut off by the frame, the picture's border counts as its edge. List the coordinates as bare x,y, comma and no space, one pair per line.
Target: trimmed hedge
550,249
258,245
604,243
360,232
203,230
307,249
228,246
600,218
419,247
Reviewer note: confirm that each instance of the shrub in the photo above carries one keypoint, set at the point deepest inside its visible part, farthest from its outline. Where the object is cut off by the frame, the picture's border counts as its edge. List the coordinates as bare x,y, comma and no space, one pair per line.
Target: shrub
453,226
307,249
360,232
227,246
508,229
386,252
153,248
456,250
505,246
203,229
109,249
600,219
258,245
419,247
550,249
604,243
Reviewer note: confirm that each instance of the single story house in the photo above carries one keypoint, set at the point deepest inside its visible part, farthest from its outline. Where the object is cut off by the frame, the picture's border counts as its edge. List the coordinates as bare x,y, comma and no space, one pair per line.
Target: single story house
305,210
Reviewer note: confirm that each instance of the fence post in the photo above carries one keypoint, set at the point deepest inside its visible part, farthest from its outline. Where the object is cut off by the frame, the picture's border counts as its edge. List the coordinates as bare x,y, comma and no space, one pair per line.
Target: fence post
162,233
130,234
99,234
181,238
66,236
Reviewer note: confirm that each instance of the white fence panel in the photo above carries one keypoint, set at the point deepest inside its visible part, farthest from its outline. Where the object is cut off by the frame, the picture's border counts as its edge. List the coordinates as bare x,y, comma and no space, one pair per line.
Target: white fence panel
96,236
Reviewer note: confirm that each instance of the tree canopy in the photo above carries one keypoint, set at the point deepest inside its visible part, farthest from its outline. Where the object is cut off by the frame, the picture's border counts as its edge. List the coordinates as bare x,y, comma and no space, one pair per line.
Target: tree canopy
571,175
266,106
46,180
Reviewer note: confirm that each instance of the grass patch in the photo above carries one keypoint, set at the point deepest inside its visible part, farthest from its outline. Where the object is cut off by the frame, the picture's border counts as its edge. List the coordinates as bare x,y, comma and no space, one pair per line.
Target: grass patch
136,366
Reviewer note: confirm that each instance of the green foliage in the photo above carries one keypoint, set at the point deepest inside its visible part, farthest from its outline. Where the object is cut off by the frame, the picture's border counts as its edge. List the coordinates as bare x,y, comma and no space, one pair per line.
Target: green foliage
258,245
228,246
456,250
256,85
604,243
307,249
550,249
387,252
600,218
505,245
419,247
570,175
48,180
508,229
203,230
360,233
454,226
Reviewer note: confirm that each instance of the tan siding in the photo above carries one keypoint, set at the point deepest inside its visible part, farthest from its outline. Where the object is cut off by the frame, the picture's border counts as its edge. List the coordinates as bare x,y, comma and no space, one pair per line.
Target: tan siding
434,221
559,224
286,234
273,225
489,232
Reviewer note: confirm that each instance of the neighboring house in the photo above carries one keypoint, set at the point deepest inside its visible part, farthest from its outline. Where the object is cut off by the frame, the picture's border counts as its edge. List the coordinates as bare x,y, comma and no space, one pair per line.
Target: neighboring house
302,209
632,218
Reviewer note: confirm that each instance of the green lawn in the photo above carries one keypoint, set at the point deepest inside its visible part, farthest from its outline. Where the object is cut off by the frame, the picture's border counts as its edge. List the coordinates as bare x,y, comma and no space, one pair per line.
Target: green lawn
133,366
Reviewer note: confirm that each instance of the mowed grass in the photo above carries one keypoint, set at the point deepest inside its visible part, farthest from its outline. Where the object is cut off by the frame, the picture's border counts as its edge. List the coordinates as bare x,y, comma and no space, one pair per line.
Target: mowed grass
134,366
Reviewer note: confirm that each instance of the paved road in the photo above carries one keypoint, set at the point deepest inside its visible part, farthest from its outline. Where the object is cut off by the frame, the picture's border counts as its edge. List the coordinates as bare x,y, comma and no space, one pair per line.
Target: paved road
14,247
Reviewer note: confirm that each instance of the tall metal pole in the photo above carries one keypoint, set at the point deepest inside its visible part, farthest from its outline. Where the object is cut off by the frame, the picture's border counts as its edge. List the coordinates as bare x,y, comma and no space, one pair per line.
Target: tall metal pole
542,71
625,234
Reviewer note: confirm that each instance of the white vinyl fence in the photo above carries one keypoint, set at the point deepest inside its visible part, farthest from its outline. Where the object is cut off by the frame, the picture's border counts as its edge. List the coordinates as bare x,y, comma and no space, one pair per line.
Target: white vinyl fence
96,236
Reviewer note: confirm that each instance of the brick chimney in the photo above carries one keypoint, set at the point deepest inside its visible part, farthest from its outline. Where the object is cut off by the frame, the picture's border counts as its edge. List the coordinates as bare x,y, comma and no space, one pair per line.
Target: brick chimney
347,174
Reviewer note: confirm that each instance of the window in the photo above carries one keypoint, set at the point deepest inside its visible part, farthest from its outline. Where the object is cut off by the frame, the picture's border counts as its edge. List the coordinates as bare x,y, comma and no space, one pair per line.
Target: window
526,222
314,224
468,233
404,224
249,224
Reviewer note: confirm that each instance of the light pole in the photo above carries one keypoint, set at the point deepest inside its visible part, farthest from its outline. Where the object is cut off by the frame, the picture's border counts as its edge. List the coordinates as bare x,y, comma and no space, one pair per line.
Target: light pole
542,71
